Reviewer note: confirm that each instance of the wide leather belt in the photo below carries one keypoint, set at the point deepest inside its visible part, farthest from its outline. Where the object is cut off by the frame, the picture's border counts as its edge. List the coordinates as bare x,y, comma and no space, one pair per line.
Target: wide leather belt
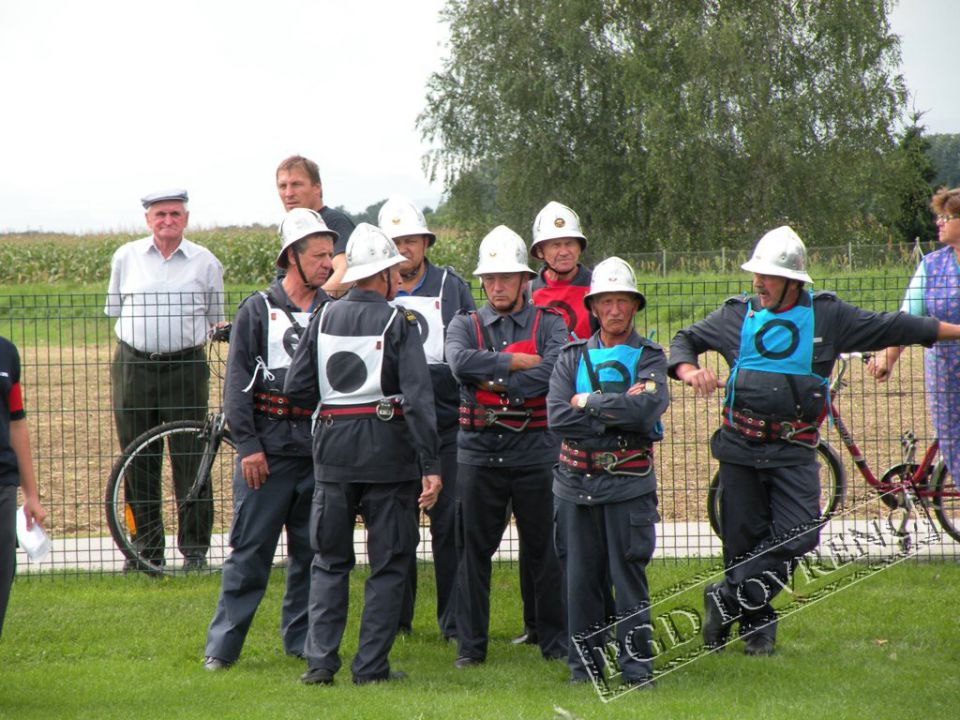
619,461
278,406
505,417
766,429
175,355
385,410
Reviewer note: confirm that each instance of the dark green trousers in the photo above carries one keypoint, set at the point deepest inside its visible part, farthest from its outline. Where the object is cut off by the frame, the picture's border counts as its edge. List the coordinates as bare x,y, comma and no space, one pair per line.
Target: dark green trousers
147,393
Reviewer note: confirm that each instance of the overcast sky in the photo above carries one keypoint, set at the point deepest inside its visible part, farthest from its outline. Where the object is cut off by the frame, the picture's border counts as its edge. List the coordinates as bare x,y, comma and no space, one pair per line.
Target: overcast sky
104,101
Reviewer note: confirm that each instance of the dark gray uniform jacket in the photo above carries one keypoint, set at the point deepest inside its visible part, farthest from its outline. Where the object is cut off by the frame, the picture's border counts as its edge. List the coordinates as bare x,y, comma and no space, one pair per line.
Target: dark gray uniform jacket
474,366
254,432
366,450
838,327
609,422
446,391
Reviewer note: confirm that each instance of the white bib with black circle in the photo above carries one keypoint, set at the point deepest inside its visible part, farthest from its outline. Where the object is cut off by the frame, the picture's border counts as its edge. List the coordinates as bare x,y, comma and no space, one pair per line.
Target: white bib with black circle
350,366
429,314
282,336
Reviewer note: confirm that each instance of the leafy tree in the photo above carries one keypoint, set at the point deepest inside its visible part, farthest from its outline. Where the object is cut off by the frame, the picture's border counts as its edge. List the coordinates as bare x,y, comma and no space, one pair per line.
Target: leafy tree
915,219
680,124
945,155
369,215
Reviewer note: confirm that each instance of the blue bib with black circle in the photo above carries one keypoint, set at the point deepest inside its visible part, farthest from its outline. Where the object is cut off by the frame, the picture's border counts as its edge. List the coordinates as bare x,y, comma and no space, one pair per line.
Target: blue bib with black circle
616,369
776,343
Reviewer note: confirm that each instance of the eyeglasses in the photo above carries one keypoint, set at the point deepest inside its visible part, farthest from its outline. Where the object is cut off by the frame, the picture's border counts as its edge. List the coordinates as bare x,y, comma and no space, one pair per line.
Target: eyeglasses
947,218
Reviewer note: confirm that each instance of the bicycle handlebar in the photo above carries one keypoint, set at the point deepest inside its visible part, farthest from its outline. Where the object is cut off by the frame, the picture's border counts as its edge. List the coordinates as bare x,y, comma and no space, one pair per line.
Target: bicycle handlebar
220,333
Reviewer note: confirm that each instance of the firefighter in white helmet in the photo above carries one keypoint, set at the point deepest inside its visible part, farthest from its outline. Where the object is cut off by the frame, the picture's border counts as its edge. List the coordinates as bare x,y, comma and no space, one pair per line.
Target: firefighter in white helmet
274,479
375,452
561,284
780,344
434,295
607,394
503,355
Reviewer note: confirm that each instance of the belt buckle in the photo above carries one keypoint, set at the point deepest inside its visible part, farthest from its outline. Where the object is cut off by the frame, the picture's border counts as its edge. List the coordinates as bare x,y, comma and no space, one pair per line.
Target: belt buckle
154,356
385,410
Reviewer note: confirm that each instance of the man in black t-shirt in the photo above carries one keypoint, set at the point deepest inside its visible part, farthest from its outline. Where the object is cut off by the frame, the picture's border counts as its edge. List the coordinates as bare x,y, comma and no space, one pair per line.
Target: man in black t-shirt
298,184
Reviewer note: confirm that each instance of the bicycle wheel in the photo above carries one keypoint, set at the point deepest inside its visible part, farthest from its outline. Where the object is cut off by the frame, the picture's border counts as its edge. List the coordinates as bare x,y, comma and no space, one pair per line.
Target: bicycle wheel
833,487
898,475
147,520
946,501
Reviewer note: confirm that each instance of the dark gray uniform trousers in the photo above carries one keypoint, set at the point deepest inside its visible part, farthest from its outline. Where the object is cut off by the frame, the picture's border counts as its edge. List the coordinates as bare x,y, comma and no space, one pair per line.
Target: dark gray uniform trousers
598,544
259,517
389,513
147,393
443,545
484,493
768,520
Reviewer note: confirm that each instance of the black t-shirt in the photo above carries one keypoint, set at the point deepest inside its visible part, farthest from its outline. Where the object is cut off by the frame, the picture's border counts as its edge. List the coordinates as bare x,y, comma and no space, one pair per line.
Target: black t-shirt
11,408
341,224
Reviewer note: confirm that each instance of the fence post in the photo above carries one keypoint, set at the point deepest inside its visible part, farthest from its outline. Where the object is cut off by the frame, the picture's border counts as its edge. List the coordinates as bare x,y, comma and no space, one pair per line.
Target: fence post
850,255
723,259
663,253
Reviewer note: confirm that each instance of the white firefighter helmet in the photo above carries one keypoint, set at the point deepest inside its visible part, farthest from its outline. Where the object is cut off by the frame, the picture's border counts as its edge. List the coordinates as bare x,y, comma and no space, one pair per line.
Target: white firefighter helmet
782,253
399,217
369,251
502,251
614,275
298,224
553,222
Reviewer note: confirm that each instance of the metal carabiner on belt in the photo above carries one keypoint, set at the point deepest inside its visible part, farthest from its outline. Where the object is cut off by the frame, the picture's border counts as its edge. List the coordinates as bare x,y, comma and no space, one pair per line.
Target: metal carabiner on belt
609,463
788,432
493,417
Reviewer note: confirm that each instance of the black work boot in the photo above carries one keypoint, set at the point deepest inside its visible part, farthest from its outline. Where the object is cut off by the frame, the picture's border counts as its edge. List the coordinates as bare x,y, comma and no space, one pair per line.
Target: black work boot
759,635
717,620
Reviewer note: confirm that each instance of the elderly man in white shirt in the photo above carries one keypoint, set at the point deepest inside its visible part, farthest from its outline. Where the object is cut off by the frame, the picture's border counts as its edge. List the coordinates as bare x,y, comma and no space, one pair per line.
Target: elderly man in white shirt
166,292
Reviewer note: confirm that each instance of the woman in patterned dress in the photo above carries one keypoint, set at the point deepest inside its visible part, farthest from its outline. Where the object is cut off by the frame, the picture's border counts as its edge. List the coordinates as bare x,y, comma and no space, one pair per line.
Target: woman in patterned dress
935,290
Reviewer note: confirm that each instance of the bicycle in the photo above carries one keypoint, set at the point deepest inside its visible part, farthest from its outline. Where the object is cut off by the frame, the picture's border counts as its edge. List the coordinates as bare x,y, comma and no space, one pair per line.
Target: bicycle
902,487
208,443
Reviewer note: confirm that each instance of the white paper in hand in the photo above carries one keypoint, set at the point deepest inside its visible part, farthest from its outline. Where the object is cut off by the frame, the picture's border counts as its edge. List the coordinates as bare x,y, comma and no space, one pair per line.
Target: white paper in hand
35,542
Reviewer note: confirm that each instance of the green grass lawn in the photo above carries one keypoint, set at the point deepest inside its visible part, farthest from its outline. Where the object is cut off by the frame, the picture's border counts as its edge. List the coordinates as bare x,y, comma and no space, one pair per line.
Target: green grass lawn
111,647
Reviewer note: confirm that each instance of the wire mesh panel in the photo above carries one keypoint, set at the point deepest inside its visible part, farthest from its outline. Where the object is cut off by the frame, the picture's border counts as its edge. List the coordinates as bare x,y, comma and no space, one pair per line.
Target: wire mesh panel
67,346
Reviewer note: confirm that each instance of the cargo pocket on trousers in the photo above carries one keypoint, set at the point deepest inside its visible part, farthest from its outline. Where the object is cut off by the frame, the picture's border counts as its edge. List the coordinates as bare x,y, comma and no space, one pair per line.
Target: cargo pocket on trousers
558,543
317,507
236,525
408,524
458,527
643,535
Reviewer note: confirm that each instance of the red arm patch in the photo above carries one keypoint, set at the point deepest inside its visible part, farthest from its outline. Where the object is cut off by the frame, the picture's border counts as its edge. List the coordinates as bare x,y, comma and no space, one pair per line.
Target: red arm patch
15,399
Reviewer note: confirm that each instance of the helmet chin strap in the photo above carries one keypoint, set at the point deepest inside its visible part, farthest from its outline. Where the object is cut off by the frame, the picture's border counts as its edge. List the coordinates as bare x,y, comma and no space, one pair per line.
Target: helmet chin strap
303,275
783,295
551,268
389,282
517,305
412,274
